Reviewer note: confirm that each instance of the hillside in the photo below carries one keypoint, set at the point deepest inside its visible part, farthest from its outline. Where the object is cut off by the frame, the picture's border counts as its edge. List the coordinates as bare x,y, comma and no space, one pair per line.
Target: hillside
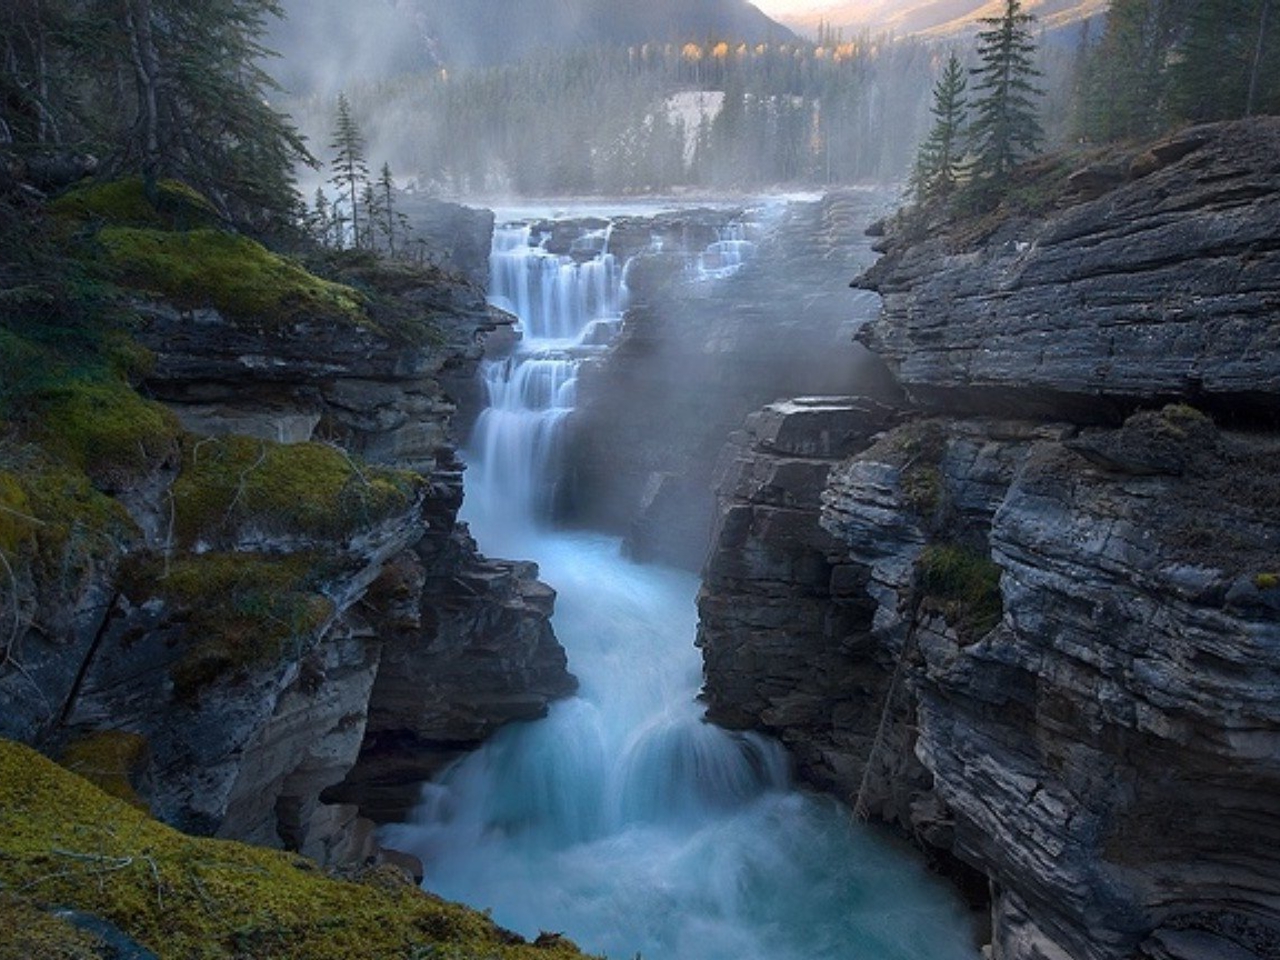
374,39
936,18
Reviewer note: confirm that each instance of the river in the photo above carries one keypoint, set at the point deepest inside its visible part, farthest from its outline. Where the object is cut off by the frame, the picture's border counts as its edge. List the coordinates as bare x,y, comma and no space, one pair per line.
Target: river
623,820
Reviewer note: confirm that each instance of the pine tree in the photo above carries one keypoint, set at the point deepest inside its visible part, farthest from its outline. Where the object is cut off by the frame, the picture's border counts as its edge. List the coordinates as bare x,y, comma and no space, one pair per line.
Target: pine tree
1223,69
198,104
320,219
350,170
1006,129
159,88
939,164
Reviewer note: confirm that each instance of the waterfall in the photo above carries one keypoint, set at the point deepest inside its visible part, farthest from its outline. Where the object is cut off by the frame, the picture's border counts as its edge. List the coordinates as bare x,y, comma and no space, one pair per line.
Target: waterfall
567,306
622,818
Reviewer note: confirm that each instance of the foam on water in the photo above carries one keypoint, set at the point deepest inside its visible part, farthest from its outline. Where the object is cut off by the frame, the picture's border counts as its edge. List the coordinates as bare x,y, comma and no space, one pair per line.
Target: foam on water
623,819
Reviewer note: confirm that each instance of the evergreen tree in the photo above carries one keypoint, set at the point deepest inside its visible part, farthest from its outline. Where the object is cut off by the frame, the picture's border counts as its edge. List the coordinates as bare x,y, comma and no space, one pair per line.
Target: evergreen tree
197,108
1005,129
939,164
388,227
320,219
157,88
1126,82
350,170
1223,69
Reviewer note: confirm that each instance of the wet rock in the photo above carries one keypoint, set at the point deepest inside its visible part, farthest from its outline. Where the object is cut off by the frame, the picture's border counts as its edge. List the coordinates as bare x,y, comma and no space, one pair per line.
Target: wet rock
699,355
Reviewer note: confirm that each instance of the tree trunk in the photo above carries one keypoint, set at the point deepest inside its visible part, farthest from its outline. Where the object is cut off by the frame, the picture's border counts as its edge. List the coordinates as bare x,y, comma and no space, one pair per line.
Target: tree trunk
146,69
1251,101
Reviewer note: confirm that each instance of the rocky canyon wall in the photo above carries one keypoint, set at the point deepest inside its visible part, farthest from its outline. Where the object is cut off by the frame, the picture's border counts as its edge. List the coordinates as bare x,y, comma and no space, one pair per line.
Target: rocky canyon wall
287,629
1033,614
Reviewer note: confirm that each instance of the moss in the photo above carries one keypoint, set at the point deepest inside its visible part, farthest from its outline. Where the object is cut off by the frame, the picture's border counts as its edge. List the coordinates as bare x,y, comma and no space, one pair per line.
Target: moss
110,760
923,488
64,842
35,934
237,610
917,450
1267,581
105,428
233,274
125,203
1182,421
964,585
230,484
52,516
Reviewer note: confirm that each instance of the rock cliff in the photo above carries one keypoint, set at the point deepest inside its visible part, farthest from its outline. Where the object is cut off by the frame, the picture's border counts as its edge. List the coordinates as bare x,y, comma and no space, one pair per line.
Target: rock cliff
272,601
1036,619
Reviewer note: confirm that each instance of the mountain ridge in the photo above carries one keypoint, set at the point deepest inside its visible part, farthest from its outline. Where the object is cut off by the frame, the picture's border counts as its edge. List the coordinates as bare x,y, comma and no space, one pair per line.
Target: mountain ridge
381,39
935,19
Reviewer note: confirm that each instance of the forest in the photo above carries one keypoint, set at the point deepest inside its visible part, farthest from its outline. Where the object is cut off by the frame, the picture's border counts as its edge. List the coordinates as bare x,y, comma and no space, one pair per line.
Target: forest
833,111
168,89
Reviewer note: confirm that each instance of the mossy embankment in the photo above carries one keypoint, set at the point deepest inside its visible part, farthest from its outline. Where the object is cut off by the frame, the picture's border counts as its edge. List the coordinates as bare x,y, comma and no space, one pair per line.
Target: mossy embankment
240,518
65,843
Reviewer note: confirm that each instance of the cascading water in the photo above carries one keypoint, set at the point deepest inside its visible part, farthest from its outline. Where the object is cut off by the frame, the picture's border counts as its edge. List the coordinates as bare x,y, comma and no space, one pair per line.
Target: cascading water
623,819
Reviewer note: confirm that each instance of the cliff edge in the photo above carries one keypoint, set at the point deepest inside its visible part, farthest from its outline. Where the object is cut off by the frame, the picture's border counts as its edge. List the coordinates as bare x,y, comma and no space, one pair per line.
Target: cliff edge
1033,616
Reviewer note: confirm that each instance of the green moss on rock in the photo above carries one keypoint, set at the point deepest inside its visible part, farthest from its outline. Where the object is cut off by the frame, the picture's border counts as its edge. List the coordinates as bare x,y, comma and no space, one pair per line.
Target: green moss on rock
104,428
229,484
110,760
64,842
237,610
176,206
34,934
228,272
964,585
53,517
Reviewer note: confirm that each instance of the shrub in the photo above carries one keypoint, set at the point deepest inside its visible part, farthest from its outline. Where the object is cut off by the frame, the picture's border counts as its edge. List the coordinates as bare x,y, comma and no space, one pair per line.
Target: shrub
964,585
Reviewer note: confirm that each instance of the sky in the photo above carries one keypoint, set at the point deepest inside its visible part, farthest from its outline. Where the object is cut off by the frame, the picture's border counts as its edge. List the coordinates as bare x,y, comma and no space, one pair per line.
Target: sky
786,8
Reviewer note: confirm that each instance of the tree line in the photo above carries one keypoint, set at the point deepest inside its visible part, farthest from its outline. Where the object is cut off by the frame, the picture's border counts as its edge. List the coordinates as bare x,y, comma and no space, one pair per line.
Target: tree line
626,120
1159,63
153,88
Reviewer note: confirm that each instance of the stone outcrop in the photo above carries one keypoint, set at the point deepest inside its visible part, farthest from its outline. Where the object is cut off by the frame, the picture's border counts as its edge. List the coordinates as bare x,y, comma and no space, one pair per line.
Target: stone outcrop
1163,287
778,638
1036,621
291,596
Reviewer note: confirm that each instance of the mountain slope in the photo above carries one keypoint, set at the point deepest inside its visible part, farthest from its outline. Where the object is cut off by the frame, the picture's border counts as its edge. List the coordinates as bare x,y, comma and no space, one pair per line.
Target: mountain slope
491,31
936,18
328,45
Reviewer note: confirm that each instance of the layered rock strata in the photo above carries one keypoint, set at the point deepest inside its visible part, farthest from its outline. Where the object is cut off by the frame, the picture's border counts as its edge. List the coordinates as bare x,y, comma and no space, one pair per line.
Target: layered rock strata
1048,642
1163,287
291,589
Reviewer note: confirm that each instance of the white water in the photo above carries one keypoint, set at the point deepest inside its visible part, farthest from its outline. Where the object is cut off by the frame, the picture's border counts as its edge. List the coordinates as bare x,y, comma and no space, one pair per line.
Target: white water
622,819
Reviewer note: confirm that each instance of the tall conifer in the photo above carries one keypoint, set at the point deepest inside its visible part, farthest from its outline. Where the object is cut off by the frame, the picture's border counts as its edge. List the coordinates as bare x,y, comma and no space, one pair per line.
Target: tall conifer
940,160
350,169
1006,128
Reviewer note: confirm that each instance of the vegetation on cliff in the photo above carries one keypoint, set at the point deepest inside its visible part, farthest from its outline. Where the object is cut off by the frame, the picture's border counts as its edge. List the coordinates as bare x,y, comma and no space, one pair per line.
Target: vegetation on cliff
155,88
66,844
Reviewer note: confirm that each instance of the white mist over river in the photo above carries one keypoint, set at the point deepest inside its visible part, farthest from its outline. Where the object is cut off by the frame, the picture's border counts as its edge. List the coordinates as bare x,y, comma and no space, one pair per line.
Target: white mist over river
623,820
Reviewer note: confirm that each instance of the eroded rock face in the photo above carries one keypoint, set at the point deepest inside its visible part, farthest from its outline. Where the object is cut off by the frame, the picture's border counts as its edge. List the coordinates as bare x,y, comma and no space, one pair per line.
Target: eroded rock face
1057,612
258,657
1107,749
781,622
1111,752
1162,287
469,647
